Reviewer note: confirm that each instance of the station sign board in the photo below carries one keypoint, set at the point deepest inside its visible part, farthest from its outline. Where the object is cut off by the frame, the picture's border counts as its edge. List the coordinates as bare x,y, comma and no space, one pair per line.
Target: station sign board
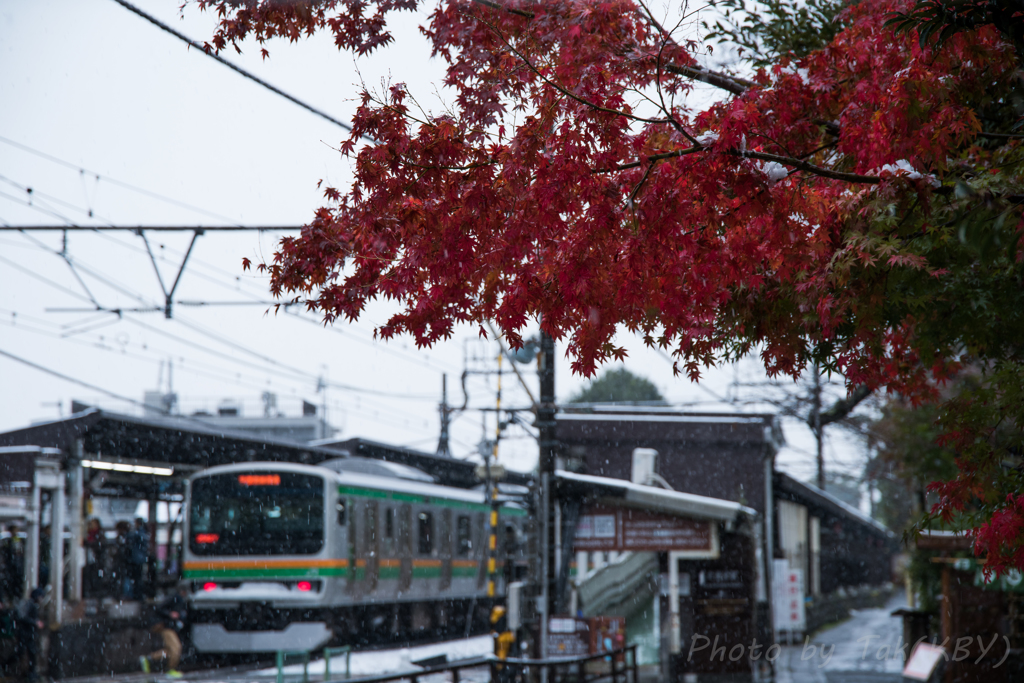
603,528
788,598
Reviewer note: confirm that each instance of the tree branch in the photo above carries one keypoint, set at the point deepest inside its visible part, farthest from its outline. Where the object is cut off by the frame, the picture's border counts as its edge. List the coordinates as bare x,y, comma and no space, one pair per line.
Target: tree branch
698,73
843,406
652,158
565,92
502,8
810,168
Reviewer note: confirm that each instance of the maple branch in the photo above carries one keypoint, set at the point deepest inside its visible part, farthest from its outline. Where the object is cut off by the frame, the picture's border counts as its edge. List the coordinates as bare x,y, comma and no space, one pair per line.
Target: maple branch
668,112
652,158
786,161
562,90
810,168
502,8
719,80
636,190
439,167
737,86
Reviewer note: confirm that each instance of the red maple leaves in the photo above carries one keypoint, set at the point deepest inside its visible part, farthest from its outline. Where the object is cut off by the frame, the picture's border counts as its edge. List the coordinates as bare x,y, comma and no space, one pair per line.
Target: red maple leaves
569,182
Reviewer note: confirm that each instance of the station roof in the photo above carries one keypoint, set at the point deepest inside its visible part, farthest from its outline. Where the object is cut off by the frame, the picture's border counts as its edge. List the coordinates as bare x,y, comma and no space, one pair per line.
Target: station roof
190,444
167,439
815,497
651,497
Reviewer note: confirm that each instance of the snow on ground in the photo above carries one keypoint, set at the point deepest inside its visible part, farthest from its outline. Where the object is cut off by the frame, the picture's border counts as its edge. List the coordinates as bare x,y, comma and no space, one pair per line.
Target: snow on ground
379,662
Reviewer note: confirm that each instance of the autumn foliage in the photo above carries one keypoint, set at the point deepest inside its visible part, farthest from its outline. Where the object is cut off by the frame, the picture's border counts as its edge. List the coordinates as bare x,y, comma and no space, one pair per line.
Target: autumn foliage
858,206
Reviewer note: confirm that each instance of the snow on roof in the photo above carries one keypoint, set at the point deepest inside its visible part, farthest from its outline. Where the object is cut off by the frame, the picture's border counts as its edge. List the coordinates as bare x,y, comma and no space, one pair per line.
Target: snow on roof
641,417
654,498
846,507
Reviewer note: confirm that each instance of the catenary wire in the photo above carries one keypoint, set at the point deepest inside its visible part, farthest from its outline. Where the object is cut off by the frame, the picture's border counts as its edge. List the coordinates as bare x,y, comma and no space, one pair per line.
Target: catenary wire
190,366
163,258
119,183
213,55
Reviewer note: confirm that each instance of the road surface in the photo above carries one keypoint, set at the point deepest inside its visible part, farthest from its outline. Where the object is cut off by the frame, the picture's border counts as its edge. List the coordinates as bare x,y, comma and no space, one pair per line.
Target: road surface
867,648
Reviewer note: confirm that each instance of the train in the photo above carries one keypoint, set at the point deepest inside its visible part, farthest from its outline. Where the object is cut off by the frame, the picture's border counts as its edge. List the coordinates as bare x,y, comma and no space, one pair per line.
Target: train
284,556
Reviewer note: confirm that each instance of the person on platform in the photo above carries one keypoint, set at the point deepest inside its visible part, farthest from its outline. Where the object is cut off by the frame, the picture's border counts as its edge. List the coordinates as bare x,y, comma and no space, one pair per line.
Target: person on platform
171,617
95,557
12,565
137,547
119,570
28,624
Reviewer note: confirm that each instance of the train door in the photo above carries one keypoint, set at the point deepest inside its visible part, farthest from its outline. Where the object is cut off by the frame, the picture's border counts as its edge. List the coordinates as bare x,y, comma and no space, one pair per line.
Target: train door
344,538
355,551
371,546
405,547
445,549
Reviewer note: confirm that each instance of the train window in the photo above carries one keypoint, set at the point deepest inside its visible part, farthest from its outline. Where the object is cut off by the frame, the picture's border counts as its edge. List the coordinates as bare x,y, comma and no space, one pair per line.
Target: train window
464,536
341,512
426,533
389,523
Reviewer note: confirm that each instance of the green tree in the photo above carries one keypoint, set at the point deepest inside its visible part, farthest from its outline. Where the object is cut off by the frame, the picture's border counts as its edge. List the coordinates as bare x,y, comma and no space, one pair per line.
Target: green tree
619,386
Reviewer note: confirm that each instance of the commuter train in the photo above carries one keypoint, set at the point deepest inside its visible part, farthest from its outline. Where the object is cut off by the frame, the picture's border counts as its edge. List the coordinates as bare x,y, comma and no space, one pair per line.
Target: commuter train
282,556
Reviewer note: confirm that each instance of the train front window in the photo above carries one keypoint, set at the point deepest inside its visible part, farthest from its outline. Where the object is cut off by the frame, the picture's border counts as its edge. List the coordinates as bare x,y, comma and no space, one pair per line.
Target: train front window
260,513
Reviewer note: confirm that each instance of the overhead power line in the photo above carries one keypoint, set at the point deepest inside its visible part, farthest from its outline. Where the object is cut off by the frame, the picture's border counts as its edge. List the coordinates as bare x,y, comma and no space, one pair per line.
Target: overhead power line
114,181
213,55
64,377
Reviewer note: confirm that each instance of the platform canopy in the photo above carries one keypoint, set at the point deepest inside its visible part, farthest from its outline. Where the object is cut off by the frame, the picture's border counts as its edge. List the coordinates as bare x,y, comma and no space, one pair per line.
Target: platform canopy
619,491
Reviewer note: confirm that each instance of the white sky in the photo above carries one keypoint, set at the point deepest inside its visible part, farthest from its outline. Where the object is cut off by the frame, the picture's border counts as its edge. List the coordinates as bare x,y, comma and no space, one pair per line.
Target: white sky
99,88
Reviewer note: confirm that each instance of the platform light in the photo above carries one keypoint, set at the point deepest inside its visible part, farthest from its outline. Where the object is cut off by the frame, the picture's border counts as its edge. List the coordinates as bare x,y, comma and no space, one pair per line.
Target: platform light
123,467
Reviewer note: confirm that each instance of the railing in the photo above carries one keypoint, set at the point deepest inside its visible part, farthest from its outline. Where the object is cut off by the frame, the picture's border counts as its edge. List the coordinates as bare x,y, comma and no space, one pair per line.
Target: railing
331,652
623,663
414,676
284,655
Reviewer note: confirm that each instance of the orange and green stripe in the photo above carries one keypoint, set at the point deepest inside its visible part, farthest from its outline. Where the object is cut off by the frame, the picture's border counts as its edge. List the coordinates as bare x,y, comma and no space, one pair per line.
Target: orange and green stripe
264,569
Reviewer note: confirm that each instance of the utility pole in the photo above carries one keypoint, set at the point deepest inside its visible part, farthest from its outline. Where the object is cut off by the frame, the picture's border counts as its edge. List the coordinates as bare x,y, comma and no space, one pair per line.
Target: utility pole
443,449
816,425
548,449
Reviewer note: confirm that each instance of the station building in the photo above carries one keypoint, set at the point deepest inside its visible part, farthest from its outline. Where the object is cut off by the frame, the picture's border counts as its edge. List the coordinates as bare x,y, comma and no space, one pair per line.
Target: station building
839,557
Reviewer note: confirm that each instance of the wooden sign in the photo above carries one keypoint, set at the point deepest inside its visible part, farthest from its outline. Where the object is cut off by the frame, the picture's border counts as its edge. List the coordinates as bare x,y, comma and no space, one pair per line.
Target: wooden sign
608,528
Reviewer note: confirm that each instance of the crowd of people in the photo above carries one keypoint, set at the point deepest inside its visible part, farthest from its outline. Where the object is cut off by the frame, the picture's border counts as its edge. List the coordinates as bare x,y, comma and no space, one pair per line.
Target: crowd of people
115,567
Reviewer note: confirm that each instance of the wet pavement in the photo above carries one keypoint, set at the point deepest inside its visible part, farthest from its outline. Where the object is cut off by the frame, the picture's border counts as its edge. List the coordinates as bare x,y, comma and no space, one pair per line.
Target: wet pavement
866,648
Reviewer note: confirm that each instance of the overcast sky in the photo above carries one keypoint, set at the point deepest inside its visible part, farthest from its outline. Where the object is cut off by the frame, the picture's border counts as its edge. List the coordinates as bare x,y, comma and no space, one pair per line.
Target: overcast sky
107,120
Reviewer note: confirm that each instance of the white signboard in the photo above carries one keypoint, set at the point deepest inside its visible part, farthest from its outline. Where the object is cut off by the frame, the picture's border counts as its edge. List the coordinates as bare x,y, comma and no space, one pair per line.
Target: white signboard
788,597
923,661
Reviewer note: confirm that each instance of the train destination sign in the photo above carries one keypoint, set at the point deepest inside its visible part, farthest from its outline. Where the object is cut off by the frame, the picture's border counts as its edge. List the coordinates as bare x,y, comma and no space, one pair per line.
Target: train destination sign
613,528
